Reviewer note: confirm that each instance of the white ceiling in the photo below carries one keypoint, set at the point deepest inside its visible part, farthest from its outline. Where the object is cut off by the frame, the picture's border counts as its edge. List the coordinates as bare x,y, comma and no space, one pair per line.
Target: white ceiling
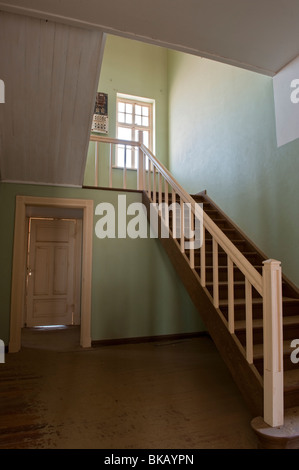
260,35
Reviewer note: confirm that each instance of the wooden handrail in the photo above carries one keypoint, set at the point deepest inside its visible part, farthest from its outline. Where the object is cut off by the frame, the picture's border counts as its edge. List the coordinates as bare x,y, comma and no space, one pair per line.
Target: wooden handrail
110,140
267,285
237,257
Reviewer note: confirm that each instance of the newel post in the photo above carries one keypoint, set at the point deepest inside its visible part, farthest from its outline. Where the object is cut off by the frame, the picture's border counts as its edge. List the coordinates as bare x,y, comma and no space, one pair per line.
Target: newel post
273,344
140,177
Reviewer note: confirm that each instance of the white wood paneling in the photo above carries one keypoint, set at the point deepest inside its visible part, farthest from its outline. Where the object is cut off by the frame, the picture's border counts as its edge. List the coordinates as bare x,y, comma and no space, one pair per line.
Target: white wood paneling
51,73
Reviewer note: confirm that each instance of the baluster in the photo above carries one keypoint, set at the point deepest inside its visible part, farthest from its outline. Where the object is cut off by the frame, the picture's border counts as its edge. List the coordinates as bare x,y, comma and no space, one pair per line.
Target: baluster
125,169
174,214
215,274
166,192
166,211
96,165
249,329
154,185
110,166
230,286
149,189
203,258
144,172
191,226
160,194
182,219
140,185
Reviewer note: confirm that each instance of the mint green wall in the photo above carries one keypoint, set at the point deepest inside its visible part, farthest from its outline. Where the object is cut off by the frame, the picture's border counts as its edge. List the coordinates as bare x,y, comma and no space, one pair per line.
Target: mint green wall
135,291
222,138
138,69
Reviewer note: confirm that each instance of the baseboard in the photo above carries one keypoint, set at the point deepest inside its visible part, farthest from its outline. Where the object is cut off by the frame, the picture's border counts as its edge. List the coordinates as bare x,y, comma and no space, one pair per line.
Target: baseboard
148,339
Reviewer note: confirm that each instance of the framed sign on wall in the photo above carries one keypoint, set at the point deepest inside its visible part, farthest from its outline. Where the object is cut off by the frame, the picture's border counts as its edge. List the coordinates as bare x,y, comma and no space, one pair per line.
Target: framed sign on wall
100,122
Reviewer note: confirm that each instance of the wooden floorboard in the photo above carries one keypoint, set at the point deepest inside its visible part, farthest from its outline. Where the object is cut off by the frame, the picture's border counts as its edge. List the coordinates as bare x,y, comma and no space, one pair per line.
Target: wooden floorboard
161,395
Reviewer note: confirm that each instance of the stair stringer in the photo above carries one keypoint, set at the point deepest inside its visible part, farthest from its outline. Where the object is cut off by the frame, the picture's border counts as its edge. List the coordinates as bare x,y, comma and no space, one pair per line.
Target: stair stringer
244,374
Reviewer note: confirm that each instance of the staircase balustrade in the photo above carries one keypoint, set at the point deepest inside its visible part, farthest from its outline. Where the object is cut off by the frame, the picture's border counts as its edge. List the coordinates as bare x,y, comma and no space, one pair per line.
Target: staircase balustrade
160,186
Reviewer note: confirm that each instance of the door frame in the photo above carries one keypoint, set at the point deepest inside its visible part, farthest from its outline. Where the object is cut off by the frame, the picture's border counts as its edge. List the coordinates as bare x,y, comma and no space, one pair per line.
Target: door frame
19,264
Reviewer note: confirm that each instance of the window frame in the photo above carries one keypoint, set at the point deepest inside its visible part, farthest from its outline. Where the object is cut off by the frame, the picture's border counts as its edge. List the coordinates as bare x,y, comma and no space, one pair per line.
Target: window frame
135,101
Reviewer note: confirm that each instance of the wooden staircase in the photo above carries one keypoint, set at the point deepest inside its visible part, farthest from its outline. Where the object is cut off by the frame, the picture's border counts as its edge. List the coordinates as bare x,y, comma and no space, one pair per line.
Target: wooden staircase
249,308
248,377
290,301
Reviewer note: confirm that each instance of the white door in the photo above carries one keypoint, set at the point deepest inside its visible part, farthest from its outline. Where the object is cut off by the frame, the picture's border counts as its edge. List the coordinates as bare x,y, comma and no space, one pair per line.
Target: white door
52,273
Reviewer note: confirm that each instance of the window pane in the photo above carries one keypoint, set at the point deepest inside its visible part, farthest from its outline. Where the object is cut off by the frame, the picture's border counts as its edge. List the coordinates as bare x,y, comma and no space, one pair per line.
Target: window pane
129,118
138,109
121,117
129,108
144,110
129,157
124,133
146,138
145,121
121,107
120,155
138,120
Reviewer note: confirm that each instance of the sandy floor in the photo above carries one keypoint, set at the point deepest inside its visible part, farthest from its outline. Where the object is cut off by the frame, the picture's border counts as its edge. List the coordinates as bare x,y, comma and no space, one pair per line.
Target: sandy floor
167,395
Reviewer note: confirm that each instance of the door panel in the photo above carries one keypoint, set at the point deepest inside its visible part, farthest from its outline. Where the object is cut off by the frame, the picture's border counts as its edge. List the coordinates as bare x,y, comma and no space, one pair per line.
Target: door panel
41,269
42,309
52,273
61,273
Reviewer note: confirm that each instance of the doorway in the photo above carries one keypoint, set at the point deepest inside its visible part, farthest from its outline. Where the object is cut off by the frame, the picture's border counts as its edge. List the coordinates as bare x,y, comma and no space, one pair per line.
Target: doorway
30,207
53,275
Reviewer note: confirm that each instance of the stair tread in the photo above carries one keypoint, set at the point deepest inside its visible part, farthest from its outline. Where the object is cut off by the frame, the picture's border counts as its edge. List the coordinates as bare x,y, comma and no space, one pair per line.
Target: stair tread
237,240
225,267
258,349
245,253
225,283
224,302
258,322
291,379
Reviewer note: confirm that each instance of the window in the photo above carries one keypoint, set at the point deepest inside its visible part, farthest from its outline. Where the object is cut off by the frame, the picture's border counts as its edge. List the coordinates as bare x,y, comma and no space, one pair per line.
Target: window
133,115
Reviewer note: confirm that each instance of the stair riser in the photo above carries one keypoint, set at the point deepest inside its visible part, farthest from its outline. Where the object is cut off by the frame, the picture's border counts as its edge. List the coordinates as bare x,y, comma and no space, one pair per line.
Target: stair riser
257,312
222,258
287,364
291,399
239,292
257,336
231,235
240,244
222,275
289,333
